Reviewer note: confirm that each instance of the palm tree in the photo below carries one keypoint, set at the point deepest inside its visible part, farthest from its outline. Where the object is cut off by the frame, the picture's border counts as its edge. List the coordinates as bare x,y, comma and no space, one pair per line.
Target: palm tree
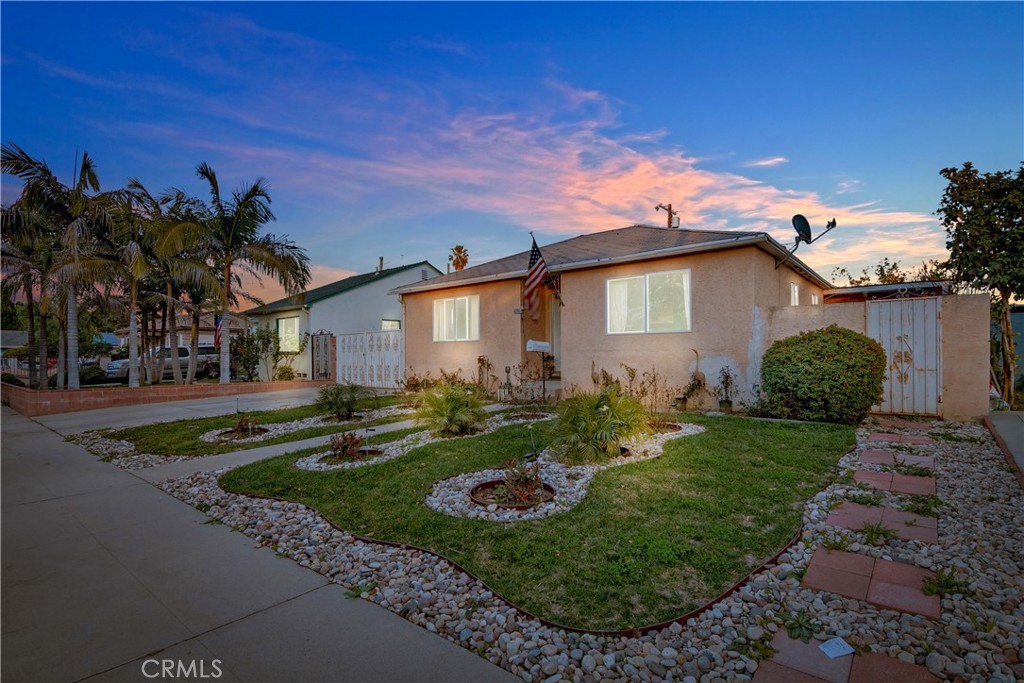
176,263
19,251
233,233
76,212
459,257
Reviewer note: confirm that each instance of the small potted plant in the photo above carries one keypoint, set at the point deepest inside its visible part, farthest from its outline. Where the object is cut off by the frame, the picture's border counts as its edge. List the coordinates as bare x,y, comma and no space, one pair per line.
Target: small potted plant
726,389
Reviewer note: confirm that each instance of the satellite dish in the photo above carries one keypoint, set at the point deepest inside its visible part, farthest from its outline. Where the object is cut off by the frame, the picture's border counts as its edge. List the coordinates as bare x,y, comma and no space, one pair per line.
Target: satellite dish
803,229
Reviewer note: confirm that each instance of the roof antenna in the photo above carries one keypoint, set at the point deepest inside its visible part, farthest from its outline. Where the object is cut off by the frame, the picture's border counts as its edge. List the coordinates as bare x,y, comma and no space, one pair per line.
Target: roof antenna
803,234
673,216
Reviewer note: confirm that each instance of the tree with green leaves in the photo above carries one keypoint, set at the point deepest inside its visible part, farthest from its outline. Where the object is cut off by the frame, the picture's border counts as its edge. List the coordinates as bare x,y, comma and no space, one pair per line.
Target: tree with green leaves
984,219
888,272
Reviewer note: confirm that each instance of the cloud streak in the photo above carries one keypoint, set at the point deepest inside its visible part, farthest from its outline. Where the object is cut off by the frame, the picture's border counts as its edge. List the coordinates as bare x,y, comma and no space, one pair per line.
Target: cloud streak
766,163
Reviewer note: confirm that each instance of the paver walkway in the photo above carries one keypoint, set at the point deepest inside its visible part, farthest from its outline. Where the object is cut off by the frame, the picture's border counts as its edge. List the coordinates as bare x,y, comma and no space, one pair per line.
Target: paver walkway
904,424
798,662
906,439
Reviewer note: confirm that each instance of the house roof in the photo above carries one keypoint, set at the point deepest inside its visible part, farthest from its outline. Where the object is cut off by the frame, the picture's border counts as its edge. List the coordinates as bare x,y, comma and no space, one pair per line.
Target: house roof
633,243
335,288
899,290
12,338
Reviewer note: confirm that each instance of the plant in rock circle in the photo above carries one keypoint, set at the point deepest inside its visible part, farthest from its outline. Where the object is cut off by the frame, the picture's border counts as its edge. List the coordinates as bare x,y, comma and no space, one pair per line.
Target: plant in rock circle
345,446
450,409
246,424
591,426
522,481
339,400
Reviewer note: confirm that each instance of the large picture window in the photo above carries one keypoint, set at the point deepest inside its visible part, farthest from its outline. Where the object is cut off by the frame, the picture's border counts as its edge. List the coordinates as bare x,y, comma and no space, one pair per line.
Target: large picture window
288,334
457,319
656,302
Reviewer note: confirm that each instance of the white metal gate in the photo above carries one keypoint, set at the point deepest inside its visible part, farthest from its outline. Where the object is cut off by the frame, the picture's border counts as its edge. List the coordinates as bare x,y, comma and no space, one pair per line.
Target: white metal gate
910,330
371,359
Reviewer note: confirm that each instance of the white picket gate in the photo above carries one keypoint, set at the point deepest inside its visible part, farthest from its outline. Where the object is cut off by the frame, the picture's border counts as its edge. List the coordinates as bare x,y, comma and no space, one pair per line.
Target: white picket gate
371,359
910,330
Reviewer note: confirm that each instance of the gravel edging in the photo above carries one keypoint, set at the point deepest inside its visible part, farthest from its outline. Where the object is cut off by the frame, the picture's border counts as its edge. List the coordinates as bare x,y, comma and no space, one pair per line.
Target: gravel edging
978,638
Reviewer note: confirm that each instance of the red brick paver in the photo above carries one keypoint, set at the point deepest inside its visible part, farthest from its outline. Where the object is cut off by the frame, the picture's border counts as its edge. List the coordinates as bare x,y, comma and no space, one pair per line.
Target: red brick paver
896,483
906,526
878,668
904,424
893,458
798,662
909,439
886,584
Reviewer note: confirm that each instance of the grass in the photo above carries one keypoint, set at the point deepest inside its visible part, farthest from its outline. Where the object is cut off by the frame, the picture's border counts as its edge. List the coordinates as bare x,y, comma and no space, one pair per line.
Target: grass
650,541
181,437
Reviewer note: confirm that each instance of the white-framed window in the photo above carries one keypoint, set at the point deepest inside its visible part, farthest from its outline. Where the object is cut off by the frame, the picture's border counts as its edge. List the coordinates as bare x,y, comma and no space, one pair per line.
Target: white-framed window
288,334
388,325
656,302
794,294
815,300
457,319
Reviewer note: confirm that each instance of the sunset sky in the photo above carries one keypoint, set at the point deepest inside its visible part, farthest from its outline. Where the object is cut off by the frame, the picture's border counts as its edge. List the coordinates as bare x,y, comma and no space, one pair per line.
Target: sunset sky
400,130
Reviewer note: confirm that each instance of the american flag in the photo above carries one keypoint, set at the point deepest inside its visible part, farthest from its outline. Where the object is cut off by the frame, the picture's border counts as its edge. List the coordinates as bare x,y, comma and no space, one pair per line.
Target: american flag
535,281
218,322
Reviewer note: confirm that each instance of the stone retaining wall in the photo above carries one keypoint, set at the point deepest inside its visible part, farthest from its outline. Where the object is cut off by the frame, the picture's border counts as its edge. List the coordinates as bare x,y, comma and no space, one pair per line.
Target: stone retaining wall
31,403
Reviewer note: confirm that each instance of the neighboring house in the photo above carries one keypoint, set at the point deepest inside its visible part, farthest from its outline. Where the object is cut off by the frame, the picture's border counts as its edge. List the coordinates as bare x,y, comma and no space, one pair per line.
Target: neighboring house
641,296
207,328
357,304
683,301
11,339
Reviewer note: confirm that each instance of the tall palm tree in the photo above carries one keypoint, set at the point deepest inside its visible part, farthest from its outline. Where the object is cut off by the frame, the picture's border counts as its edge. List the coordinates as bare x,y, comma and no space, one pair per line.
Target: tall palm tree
234,239
76,213
19,252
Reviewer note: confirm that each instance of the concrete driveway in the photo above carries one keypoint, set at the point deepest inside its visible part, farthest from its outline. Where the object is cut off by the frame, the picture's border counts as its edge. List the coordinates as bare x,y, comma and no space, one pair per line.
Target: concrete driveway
106,578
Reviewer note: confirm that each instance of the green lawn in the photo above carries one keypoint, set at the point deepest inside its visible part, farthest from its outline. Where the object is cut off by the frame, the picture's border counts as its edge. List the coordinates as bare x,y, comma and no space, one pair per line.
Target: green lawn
650,541
181,437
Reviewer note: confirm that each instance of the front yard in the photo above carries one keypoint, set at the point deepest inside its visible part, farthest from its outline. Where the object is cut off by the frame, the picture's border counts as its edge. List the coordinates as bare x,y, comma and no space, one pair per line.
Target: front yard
650,541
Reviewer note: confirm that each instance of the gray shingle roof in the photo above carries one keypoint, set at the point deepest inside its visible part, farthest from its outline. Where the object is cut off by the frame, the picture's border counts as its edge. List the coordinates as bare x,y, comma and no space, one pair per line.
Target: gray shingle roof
635,242
318,294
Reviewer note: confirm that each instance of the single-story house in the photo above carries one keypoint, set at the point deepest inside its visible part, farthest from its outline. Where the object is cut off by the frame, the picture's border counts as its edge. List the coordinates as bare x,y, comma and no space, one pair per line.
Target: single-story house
675,301
356,304
12,339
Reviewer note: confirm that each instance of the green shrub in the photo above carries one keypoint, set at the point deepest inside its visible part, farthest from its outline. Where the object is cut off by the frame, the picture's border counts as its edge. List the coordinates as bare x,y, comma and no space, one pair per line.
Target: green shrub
829,375
339,400
450,409
11,378
284,374
92,374
591,426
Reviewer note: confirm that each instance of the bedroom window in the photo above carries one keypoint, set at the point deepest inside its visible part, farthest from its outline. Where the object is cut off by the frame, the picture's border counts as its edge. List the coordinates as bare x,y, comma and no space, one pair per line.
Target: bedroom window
794,294
457,319
656,302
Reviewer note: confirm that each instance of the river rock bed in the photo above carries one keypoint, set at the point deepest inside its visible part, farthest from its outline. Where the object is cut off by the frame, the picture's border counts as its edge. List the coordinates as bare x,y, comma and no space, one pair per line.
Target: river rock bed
978,638
451,496
398,448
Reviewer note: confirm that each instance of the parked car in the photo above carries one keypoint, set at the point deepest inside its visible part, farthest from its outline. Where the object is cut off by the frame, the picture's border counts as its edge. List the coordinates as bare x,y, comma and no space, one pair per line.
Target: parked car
207,363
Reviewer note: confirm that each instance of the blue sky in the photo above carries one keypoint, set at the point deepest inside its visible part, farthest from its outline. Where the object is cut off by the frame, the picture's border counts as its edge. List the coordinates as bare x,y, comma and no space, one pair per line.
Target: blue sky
402,129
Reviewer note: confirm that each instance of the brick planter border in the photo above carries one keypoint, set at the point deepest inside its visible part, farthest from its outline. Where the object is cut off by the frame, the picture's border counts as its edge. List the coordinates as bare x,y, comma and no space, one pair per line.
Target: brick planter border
32,403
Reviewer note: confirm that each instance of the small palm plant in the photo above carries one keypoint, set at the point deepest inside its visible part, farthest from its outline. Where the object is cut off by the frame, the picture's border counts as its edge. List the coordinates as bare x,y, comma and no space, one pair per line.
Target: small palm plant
450,409
591,426
339,400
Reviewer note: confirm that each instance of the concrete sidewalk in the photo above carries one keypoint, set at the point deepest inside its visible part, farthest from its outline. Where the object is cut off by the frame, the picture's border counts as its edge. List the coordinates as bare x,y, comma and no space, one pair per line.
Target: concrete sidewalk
103,573
1009,425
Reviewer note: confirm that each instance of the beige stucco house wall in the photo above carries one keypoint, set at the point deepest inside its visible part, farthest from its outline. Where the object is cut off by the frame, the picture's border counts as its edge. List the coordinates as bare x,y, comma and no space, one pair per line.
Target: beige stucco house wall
725,289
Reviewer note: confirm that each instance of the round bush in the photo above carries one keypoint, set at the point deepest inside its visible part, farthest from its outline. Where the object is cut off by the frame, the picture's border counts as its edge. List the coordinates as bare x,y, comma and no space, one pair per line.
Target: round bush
829,375
11,378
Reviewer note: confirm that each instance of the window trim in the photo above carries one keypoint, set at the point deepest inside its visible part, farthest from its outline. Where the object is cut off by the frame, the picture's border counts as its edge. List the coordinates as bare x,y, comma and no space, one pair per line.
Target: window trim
647,302
472,318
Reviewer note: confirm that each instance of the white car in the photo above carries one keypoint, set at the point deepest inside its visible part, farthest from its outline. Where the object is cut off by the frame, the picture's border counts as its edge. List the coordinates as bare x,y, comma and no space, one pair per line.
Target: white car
207,364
